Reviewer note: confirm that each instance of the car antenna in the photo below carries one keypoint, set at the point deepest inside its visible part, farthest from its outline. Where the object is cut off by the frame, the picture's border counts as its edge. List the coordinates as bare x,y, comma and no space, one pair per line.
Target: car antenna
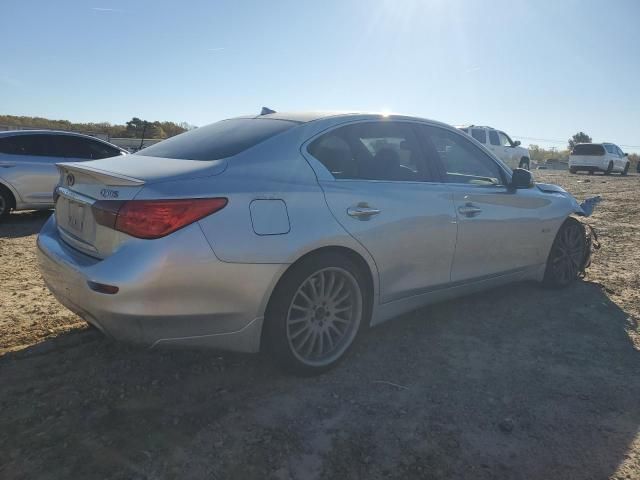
266,111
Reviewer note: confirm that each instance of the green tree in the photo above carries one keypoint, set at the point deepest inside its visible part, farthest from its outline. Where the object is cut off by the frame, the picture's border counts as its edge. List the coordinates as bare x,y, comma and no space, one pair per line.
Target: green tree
579,137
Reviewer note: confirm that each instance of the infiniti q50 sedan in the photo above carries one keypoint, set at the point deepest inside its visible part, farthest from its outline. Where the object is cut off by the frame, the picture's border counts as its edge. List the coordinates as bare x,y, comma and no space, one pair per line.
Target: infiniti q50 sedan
290,233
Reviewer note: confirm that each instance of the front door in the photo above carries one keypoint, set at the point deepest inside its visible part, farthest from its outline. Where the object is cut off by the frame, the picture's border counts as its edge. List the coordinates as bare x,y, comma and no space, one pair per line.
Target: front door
382,195
499,229
28,164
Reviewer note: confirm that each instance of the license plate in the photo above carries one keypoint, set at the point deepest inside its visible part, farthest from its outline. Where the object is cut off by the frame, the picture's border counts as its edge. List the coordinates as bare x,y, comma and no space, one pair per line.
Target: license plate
76,217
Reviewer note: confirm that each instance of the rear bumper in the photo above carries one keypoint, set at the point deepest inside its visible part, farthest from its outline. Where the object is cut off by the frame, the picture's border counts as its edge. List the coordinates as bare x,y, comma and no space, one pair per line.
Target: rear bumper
172,291
589,164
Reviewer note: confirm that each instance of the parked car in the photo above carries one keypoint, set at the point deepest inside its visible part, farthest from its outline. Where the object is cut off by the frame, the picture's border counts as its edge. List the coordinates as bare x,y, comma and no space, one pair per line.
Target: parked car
28,172
292,232
598,157
501,145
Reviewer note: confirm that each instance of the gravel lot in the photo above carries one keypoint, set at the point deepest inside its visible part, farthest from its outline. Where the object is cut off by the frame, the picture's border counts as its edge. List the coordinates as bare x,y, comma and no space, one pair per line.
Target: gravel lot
515,383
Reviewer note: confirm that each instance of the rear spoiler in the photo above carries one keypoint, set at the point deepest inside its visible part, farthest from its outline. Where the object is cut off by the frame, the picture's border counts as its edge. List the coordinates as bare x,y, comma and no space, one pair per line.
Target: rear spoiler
107,178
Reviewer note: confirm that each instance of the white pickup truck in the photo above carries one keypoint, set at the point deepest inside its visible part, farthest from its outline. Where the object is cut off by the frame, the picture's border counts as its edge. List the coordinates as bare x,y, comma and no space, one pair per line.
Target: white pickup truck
500,144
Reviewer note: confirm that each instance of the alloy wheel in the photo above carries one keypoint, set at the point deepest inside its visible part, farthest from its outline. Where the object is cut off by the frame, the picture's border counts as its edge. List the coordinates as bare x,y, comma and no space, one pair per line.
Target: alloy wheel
324,316
568,253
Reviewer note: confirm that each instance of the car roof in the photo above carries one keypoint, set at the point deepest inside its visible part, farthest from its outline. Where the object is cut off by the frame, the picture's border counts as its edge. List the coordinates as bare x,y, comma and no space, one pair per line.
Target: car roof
311,116
43,131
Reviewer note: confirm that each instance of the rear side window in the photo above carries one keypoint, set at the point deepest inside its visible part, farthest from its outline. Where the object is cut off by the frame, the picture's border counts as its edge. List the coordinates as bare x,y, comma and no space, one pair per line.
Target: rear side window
588,149
218,140
493,137
479,134
32,145
387,151
70,146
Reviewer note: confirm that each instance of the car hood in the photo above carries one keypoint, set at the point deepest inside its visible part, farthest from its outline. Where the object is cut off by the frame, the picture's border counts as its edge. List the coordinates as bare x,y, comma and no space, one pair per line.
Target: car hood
583,209
155,169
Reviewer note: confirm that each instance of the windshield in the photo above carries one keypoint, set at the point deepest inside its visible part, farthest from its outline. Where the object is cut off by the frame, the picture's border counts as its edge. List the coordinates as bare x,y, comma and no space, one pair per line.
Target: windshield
218,140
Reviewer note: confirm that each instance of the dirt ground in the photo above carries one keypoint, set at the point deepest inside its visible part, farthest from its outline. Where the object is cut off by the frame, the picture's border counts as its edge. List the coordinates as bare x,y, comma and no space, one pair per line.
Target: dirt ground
521,383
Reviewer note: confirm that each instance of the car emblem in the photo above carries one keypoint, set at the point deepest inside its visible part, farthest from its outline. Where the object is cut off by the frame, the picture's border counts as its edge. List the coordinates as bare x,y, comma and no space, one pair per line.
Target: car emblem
71,179
107,193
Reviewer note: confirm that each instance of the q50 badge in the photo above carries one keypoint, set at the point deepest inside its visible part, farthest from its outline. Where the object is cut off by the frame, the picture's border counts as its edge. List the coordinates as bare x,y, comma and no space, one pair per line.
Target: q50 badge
107,193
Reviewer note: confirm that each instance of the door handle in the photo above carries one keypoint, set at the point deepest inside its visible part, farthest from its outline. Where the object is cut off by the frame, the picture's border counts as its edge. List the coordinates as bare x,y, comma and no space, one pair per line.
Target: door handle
469,210
362,211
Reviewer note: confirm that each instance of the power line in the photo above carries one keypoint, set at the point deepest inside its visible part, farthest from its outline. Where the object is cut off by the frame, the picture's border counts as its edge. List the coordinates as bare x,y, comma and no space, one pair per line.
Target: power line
551,140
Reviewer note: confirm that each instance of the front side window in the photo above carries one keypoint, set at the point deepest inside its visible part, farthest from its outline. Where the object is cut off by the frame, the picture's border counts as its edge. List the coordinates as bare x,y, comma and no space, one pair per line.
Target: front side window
505,141
620,152
462,161
479,134
610,148
371,151
30,145
493,137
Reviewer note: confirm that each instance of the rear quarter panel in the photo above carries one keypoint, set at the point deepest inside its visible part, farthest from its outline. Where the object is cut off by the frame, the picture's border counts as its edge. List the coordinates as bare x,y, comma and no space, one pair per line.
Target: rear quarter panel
272,170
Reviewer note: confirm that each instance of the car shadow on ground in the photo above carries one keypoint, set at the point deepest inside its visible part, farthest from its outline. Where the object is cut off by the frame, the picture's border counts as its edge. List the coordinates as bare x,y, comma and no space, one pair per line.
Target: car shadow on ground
514,383
23,224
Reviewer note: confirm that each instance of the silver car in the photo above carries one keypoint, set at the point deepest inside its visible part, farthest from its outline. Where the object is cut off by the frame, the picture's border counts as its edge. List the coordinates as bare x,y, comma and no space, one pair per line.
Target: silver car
292,232
28,172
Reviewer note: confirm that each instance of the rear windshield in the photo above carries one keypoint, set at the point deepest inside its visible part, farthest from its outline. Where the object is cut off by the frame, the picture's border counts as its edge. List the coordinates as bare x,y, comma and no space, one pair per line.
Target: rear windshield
218,140
588,149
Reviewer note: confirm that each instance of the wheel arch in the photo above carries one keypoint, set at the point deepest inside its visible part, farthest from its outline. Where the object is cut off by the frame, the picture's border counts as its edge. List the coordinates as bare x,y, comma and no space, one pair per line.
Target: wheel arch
366,269
12,195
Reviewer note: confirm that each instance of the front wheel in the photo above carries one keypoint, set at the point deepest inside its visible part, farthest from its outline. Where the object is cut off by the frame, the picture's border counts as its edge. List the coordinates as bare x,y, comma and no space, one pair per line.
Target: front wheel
524,163
626,170
568,254
315,313
573,170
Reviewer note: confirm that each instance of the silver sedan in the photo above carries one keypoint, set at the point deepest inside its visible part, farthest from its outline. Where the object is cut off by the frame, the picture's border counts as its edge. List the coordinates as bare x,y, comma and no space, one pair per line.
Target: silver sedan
28,158
292,232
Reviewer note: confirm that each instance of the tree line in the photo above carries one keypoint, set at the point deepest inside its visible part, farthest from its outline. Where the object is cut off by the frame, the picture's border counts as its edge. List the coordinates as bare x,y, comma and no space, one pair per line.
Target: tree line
134,128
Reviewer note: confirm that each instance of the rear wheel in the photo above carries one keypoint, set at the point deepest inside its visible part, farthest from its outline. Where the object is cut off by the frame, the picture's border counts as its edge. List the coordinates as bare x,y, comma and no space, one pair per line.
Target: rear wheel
6,203
609,169
626,170
567,256
315,313
573,170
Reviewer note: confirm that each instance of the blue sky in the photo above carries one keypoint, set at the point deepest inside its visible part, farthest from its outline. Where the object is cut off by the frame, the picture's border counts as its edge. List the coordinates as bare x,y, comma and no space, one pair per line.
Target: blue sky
535,68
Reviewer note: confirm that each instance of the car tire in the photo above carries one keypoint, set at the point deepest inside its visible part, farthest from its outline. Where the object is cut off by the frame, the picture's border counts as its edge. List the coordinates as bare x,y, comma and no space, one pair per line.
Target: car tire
626,170
609,169
316,312
567,256
573,170
6,202
524,163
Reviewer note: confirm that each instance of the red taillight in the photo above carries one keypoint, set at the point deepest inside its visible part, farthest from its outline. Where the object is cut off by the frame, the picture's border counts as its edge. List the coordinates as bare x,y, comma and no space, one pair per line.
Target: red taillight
154,218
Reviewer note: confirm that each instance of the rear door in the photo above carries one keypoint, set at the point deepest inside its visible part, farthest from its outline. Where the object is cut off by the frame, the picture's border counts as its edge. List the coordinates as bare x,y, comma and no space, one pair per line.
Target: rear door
499,229
382,192
27,163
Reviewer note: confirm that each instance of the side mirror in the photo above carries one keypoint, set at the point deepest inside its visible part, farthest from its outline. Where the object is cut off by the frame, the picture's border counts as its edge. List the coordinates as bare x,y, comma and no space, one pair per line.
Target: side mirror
521,178
516,143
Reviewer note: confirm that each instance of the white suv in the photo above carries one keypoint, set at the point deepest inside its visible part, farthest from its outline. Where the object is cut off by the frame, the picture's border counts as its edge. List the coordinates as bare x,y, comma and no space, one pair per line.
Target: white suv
501,145
598,157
